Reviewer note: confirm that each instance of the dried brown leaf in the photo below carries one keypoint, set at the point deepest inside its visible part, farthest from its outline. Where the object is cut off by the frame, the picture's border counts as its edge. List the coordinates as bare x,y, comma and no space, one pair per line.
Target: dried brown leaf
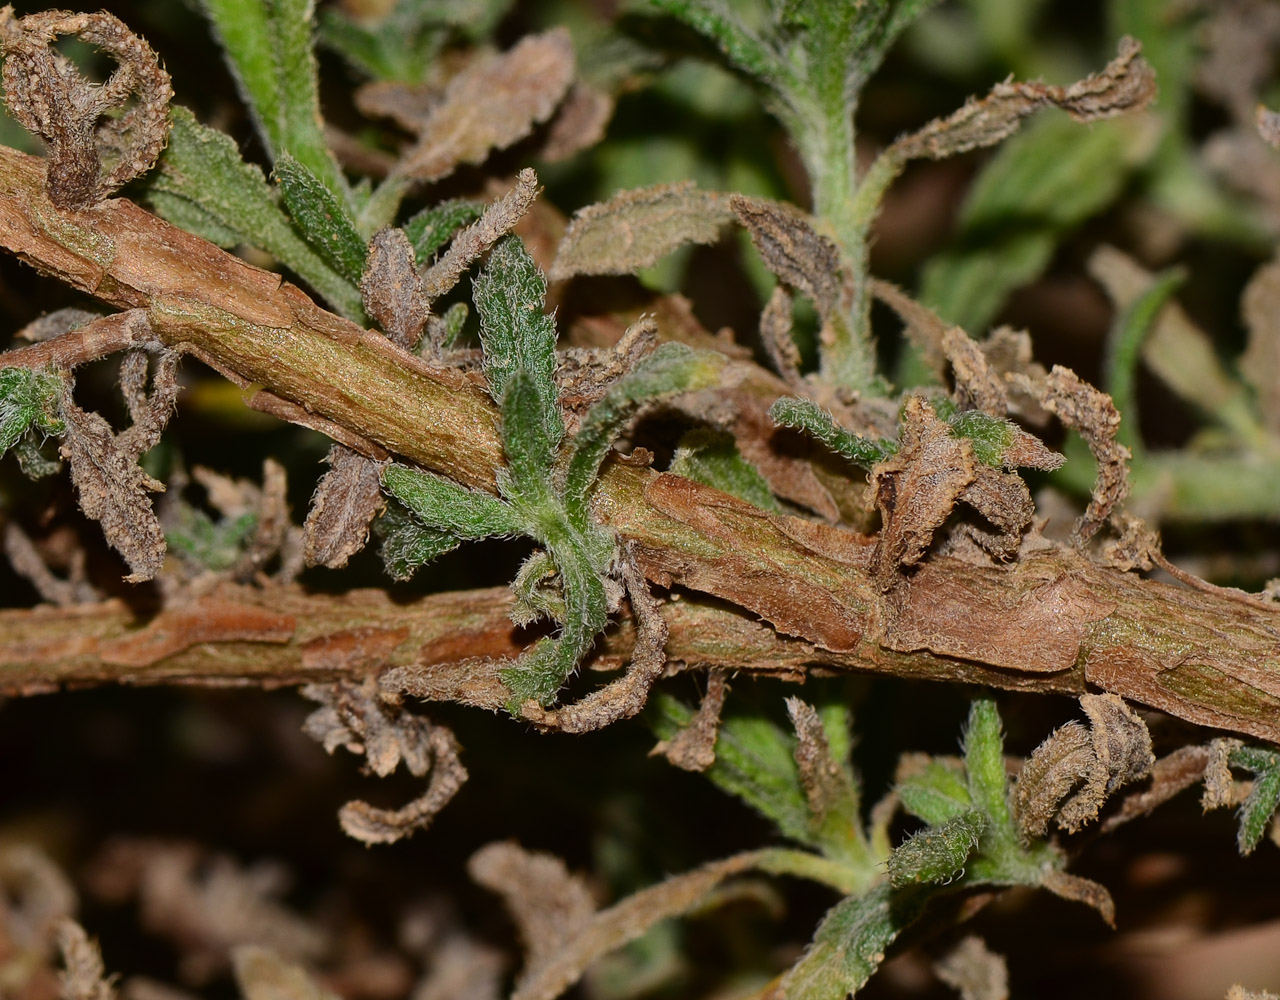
274,524
1239,40
84,977
1221,790
1170,775
148,411
1125,84
142,988
974,971
27,563
917,489
1238,992
790,247
825,781
1071,774
494,102
1003,500
549,905
1268,122
47,95
775,335
112,490
977,386
474,241
392,289
347,499
1091,413
56,323
365,720
35,897
623,698
1082,890
461,967
1009,353
579,124
263,975
694,747
205,903
408,105
636,228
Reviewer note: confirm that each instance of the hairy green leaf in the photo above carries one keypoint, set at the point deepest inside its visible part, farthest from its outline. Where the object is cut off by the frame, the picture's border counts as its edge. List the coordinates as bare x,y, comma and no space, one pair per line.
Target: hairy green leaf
805,415
712,458
514,331
990,436
433,227
850,943
1260,806
444,505
984,762
321,218
937,853
268,46
27,399
209,544
407,543
205,187
672,368
935,794
528,447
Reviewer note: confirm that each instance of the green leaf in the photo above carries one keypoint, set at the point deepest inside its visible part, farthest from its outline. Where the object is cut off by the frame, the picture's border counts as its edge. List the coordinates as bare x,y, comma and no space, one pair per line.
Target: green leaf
209,544
515,333
937,853
984,762
851,942
407,543
528,448
671,369
34,460
937,794
805,415
755,761
269,48
205,187
27,399
744,48
433,227
385,51
321,218
442,504
1042,183
1124,349
712,458
990,436
1260,806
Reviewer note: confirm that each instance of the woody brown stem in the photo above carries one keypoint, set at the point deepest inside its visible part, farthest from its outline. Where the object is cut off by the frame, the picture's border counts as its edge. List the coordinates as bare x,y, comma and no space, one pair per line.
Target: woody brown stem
1052,621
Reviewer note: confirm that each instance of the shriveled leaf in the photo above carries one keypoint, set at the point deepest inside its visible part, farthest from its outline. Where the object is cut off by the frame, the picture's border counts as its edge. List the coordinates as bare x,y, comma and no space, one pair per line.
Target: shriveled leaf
974,971
149,411
346,501
580,122
516,334
84,977
830,788
494,102
472,243
693,748
1126,84
937,853
549,905
712,458
407,543
112,490
392,290
794,251
321,217
635,229
807,416
672,368
436,225
1082,890
850,944
263,975
205,187
442,504
268,45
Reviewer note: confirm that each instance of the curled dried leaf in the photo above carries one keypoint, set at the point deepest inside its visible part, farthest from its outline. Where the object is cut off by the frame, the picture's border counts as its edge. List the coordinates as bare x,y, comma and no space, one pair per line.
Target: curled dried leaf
494,102
579,124
35,897
1071,774
1169,776
148,411
977,386
1003,500
28,563
626,696
634,229
694,747
1091,413
1082,890
825,782
974,970
346,501
365,721
264,975
112,490
1221,789
392,289
84,977
1125,84
1268,122
549,905
775,335
472,243
47,95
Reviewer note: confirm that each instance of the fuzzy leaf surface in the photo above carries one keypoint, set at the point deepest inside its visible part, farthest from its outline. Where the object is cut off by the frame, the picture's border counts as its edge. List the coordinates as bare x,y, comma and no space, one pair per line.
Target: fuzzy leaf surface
937,853
444,505
807,416
27,398
435,226
714,460
321,217
407,543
